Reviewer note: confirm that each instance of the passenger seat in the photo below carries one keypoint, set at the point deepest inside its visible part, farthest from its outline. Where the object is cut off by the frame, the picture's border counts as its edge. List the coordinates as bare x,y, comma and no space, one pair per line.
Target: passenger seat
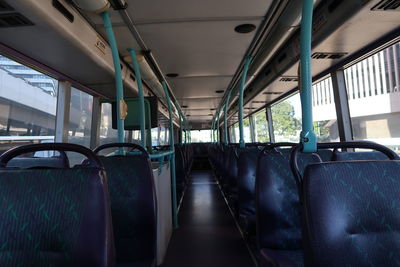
55,216
133,204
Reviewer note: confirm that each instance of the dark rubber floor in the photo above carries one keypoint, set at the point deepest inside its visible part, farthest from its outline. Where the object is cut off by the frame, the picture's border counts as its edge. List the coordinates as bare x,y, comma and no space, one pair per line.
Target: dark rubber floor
207,234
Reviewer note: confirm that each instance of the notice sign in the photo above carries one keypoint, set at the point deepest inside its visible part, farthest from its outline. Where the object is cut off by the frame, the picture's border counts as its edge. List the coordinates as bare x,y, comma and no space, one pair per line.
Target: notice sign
101,45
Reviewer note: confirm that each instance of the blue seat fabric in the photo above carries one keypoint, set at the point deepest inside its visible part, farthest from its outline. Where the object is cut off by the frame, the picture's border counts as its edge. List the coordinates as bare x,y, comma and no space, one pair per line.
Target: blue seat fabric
345,156
133,206
55,217
279,225
352,213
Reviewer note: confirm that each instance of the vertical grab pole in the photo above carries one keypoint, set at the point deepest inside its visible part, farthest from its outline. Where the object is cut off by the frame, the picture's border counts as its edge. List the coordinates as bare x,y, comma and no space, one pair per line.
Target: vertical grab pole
307,135
172,145
135,64
118,73
226,117
241,93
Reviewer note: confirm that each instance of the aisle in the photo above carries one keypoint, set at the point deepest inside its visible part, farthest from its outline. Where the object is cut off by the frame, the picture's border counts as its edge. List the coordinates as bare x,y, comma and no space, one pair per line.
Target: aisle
207,234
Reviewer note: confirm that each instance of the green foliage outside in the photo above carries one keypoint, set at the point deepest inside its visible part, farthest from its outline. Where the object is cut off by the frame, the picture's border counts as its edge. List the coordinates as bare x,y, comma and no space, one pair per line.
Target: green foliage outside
261,127
286,126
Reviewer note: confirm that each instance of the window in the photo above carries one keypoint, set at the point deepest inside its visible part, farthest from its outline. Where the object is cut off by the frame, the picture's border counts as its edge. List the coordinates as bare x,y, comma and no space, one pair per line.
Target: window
236,131
80,118
246,130
201,136
232,134
163,136
374,97
154,136
286,116
27,112
261,127
324,112
107,133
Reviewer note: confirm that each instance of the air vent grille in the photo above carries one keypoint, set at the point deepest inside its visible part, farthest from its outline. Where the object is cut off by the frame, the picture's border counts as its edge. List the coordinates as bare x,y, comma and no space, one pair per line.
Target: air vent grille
259,102
320,55
387,5
289,79
4,7
272,93
13,20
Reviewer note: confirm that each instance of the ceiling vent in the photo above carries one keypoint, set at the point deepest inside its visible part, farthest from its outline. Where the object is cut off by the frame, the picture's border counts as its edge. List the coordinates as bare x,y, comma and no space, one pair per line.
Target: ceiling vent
4,7
289,79
259,102
272,93
320,55
387,5
13,20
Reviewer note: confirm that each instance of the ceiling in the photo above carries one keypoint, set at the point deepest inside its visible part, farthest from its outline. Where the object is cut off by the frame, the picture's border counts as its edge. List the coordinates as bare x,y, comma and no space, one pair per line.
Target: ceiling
195,39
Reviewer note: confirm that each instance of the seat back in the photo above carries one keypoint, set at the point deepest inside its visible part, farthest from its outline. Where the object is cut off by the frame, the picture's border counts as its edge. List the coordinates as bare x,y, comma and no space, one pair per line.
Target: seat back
133,204
247,169
180,166
55,217
345,156
57,162
277,200
352,213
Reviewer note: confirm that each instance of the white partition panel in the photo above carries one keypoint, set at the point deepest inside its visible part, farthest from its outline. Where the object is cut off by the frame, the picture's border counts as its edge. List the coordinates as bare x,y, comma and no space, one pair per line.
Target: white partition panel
162,183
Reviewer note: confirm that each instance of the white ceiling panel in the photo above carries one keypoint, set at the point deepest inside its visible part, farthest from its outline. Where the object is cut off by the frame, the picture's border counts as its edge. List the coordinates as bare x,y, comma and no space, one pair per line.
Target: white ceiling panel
153,10
197,48
201,103
194,87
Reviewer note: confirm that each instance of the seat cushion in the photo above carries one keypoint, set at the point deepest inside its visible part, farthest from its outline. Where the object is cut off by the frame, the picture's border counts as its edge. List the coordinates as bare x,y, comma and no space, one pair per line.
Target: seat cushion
281,258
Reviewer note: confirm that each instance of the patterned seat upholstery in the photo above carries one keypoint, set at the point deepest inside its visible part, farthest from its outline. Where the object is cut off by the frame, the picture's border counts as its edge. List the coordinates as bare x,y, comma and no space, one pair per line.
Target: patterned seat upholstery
352,213
55,217
247,168
345,156
180,163
133,206
278,207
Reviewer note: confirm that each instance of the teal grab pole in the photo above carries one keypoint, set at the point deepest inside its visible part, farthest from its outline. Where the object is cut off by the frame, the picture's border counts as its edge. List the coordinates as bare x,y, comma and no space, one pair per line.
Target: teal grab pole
307,135
171,142
118,73
135,64
228,98
241,93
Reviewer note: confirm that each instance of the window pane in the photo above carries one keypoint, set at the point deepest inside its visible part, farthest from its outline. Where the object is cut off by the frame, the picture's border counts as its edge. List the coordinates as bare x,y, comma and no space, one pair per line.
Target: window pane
107,133
80,118
261,127
201,136
374,97
237,134
28,101
324,112
154,136
286,116
163,136
246,130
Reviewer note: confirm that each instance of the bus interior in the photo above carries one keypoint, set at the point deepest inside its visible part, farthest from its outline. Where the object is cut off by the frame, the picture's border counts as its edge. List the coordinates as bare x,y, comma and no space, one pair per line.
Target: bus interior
199,133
